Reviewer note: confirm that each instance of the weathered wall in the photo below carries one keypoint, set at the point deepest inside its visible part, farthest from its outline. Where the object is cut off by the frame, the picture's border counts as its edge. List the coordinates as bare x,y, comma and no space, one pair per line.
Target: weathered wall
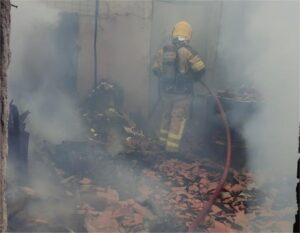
85,57
125,43
129,34
123,49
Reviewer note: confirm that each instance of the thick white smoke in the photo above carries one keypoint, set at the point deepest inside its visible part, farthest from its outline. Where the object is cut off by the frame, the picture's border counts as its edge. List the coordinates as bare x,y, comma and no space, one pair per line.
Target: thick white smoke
259,46
273,132
37,76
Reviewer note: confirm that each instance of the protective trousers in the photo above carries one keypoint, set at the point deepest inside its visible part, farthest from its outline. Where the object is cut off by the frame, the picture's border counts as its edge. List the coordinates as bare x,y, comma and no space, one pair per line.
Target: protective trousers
175,113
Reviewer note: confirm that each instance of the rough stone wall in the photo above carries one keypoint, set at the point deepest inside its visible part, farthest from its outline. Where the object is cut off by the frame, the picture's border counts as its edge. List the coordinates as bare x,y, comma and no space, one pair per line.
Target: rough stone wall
4,62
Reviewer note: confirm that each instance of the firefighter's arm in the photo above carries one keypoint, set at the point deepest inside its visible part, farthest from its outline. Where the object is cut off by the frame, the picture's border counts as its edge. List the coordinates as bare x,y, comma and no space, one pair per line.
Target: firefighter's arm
157,65
197,66
196,63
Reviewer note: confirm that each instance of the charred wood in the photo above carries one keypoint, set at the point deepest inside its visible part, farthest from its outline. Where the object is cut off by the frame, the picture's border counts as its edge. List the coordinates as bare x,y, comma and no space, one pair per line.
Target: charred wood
18,141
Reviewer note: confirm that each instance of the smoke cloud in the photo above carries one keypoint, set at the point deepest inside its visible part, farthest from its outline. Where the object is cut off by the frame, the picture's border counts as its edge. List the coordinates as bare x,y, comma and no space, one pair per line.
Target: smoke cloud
259,46
273,132
262,50
39,77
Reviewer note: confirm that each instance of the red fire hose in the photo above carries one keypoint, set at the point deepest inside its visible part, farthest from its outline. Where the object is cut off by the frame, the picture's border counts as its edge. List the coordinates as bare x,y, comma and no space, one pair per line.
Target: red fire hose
201,216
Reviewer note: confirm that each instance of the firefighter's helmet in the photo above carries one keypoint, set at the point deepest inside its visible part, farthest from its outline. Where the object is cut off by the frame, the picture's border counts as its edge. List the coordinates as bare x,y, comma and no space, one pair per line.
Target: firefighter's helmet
182,29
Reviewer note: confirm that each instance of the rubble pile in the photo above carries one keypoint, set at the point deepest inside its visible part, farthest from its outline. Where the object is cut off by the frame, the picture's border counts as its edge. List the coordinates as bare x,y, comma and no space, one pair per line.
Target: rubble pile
120,216
109,125
239,106
177,190
119,180
101,112
242,94
132,195
242,207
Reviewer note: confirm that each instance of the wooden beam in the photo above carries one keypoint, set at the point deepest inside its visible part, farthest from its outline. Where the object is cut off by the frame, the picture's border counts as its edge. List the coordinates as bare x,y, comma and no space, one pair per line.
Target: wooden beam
4,62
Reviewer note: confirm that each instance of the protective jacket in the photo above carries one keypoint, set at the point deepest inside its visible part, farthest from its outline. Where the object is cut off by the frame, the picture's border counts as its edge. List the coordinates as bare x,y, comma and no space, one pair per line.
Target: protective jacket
177,67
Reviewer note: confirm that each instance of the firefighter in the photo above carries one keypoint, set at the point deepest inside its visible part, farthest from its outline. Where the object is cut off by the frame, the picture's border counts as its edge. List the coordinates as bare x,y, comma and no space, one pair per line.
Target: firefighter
177,66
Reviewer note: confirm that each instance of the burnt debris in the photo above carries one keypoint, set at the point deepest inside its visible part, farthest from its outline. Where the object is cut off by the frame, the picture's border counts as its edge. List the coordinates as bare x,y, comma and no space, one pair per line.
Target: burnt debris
239,106
18,141
139,187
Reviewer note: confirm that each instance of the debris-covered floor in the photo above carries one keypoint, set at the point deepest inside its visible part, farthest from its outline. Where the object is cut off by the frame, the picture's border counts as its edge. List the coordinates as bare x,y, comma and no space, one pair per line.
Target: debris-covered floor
118,180
151,193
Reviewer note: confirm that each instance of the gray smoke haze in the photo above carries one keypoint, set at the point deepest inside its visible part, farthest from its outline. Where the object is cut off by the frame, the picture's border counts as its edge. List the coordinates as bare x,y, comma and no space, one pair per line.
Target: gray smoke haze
273,132
37,76
37,82
259,46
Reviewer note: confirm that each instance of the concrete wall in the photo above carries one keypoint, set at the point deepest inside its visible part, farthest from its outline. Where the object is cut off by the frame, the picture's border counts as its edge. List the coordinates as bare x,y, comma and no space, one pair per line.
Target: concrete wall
125,46
85,76
129,34
123,50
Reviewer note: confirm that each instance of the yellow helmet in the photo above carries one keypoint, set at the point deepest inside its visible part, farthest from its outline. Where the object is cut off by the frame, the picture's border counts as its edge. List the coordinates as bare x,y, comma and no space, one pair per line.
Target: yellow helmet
182,28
